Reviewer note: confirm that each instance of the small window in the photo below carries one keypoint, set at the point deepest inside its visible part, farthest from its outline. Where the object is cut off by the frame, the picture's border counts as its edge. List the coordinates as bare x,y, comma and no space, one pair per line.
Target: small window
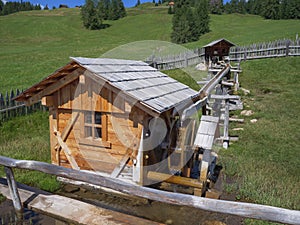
93,125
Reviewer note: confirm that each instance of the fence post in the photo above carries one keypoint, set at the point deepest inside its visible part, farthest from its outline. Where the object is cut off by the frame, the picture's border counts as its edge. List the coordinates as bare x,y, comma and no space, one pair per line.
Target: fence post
12,185
287,52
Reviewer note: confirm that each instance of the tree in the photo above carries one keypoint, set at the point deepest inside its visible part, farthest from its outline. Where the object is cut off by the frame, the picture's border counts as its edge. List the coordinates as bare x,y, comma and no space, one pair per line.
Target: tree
1,6
170,10
202,17
290,9
216,6
138,3
90,17
271,9
46,7
185,24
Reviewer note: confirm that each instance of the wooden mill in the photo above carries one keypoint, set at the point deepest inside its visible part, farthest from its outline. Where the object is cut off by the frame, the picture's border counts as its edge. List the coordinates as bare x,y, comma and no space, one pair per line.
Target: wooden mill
127,120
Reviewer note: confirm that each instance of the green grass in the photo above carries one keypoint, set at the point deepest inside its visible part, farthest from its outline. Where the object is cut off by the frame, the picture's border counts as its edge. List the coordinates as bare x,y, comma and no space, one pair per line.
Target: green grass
266,159
27,137
34,44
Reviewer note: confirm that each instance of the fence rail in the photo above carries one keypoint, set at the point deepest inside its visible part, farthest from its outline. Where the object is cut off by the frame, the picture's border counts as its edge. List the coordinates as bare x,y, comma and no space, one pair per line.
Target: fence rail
247,210
10,108
280,48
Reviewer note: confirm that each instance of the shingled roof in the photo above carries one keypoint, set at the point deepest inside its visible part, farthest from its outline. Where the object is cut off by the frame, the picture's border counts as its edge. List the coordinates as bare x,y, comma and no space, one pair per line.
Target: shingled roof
136,79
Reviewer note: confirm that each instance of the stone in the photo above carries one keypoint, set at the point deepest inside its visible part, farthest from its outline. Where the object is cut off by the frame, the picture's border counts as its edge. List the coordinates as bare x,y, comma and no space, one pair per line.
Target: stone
253,121
201,67
238,129
247,113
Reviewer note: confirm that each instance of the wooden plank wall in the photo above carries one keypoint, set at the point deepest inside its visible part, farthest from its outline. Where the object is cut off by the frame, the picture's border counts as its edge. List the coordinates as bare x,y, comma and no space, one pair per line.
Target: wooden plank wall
123,125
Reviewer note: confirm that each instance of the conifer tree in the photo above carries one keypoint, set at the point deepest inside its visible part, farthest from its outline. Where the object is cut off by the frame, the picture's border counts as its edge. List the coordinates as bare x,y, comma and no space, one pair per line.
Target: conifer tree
90,17
202,17
271,9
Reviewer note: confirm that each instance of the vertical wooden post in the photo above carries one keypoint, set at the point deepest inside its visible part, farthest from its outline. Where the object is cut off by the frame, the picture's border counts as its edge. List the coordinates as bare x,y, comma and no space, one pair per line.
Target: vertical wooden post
287,52
226,125
13,189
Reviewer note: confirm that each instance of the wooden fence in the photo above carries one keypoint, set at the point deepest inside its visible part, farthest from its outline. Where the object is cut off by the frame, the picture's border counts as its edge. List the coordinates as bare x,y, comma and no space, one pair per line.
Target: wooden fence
10,108
280,48
185,59
247,210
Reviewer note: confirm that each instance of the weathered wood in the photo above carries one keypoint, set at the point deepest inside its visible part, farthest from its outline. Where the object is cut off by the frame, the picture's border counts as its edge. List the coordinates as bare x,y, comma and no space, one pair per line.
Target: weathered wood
248,210
72,210
185,181
207,89
13,189
54,87
121,165
66,150
226,126
236,120
225,97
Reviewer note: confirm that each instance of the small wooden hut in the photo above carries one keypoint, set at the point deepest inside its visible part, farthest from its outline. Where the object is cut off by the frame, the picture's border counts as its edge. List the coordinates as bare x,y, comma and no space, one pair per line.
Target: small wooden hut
217,50
113,116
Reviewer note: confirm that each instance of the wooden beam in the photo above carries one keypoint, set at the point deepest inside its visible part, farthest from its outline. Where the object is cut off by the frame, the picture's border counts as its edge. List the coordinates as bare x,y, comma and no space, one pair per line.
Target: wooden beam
119,168
72,210
66,150
68,128
225,97
185,181
13,189
54,87
249,210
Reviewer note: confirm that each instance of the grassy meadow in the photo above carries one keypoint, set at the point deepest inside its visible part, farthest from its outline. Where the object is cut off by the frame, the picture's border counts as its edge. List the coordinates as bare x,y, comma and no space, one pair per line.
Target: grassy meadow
264,163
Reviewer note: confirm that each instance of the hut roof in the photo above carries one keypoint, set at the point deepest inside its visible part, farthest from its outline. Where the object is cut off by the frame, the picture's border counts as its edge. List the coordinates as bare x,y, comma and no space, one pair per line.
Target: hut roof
136,79
217,41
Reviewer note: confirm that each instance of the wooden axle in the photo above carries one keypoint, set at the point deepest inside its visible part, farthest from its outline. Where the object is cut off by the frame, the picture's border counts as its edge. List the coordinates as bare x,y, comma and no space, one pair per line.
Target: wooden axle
185,181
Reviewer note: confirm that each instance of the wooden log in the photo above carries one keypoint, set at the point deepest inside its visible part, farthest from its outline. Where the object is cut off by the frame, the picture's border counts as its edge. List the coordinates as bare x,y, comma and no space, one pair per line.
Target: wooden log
13,189
249,210
185,181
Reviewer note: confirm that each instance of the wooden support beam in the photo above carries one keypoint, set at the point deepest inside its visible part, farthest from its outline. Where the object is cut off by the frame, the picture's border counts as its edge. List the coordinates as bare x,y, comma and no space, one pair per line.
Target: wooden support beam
248,210
13,189
66,150
225,97
54,87
185,181
226,125
119,168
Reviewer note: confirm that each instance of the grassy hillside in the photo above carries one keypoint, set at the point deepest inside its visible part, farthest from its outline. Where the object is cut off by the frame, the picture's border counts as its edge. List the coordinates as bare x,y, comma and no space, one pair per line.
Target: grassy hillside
265,161
34,44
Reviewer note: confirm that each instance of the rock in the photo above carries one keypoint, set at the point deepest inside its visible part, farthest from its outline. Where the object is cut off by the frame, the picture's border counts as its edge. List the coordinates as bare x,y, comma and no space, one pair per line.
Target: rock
253,121
246,92
201,67
247,113
238,128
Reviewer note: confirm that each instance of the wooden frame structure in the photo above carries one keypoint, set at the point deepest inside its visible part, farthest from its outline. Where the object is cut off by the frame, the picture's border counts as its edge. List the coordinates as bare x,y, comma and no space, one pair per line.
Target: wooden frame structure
116,117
